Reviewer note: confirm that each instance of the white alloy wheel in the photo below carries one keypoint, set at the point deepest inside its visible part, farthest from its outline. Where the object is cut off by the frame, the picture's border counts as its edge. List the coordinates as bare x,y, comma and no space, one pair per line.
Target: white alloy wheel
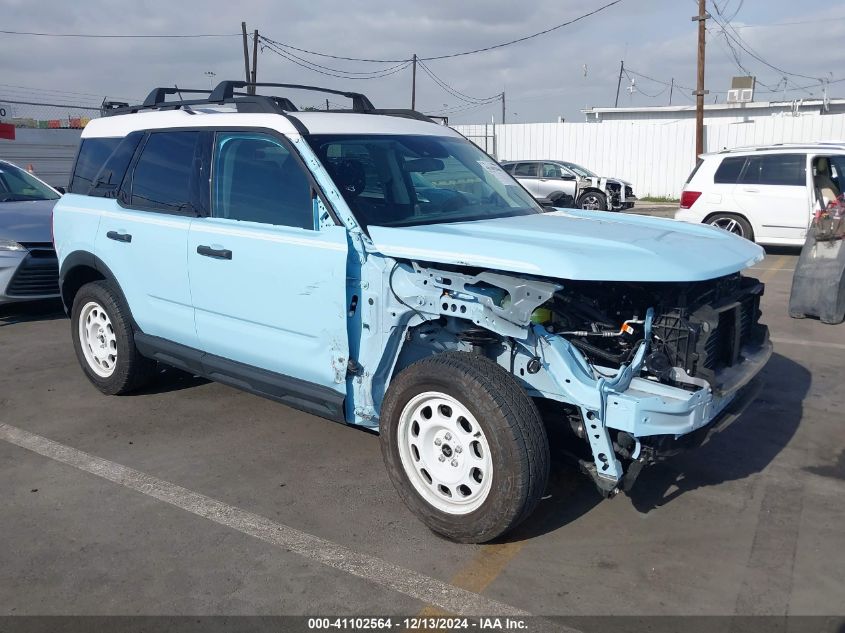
444,453
730,225
97,339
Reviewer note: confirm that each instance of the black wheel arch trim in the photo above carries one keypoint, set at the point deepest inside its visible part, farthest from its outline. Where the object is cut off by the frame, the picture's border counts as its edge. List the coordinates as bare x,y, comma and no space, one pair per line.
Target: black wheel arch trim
86,259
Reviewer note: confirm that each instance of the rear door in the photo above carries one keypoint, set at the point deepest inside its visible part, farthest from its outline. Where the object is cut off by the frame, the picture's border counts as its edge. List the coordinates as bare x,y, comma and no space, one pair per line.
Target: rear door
773,192
268,285
143,234
528,176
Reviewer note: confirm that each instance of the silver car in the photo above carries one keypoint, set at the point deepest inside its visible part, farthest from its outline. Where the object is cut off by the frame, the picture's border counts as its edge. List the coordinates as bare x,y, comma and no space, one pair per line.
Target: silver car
28,266
569,185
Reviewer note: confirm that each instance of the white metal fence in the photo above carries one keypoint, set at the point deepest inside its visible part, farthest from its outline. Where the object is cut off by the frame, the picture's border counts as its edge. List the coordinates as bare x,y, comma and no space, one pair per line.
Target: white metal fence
655,157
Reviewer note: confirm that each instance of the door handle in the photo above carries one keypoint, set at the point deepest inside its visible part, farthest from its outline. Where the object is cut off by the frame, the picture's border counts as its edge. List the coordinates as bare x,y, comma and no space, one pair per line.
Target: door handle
119,237
216,253
751,190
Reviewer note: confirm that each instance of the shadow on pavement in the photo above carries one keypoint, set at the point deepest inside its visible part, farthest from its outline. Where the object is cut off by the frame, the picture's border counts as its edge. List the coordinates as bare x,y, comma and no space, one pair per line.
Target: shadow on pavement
21,312
744,448
170,379
783,250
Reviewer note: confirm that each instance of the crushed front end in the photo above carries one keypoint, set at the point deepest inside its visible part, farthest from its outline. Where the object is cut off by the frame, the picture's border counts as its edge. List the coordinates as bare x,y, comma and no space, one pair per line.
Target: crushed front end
636,371
671,362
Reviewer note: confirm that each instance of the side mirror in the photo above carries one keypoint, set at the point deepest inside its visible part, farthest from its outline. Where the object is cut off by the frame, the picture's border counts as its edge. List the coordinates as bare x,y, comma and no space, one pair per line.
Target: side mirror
568,177
61,190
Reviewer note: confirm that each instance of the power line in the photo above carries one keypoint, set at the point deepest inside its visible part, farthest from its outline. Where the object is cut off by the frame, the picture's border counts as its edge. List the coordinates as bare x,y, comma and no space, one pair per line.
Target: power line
455,92
737,39
332,72
449,55
527,37
363,74
777,24
118,36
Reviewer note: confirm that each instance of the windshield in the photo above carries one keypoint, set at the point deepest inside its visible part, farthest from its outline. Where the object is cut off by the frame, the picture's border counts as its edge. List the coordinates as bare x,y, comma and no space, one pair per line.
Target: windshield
581,171
397,180
17,185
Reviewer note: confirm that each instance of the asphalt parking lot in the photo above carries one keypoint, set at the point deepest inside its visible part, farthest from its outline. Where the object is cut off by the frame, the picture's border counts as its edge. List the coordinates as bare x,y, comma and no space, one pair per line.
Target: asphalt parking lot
194,498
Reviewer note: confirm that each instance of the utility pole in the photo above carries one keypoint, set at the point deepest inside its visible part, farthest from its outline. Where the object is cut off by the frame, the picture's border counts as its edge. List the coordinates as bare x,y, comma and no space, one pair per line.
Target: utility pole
254,60
414,84
246,53
699,87
671,89
327,105
619,82
503,107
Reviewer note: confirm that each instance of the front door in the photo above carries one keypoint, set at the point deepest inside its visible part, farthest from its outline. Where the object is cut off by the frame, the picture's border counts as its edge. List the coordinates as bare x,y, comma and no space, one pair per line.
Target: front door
268,286
554,179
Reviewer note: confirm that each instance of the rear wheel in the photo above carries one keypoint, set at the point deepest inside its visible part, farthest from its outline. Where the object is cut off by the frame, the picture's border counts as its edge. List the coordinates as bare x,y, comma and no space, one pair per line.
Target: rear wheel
464,446
104,340
593,201
731,223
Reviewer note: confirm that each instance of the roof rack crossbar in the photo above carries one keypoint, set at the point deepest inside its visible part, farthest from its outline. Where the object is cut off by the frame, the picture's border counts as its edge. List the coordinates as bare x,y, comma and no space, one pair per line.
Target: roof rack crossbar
158,95
225,90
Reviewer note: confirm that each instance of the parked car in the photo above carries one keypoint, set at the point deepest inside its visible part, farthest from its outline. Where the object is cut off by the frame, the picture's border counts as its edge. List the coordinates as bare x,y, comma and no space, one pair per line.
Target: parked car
765,193
377,269
28,265
570,185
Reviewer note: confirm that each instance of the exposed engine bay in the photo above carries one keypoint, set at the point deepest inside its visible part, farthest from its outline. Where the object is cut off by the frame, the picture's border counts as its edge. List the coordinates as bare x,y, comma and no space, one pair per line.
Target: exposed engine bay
698,328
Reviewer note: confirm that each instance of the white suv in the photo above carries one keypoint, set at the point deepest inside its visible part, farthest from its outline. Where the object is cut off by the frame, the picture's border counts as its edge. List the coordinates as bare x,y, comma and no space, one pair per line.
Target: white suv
766,194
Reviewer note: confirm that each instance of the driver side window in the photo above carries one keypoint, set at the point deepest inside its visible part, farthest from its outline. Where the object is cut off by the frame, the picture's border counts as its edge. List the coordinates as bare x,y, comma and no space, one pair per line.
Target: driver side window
258,179
550,170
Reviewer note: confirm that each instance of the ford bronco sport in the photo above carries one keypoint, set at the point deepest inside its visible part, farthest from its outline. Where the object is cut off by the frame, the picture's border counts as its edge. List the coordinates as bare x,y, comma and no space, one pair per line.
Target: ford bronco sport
378,269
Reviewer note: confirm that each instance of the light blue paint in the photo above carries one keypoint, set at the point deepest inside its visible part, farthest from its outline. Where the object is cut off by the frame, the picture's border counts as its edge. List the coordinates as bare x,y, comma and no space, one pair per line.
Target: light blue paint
577,245
303,302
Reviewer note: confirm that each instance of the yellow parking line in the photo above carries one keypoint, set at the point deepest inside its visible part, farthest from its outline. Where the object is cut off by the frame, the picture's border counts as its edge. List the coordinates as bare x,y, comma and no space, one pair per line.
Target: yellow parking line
778,264
482,570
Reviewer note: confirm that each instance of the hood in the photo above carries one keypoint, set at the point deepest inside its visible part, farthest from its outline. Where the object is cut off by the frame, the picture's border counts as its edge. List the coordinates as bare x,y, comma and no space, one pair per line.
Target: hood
583,245
26,221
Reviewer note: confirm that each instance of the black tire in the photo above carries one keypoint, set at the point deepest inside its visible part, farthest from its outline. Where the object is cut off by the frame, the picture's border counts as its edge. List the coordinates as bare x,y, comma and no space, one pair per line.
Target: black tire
592,201
517,441
732,222
131,370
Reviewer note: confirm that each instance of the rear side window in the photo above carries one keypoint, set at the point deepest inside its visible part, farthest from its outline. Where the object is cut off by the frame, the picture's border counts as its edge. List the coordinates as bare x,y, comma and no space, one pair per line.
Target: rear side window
728,171
776,169
526,170
93,153
108,179
162,179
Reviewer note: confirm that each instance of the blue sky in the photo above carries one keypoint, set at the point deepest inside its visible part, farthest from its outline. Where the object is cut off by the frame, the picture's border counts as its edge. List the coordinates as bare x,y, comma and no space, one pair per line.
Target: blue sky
549,76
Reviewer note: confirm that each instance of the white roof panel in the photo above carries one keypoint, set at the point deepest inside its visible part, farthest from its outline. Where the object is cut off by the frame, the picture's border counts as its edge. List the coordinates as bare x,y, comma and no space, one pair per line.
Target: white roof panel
316,122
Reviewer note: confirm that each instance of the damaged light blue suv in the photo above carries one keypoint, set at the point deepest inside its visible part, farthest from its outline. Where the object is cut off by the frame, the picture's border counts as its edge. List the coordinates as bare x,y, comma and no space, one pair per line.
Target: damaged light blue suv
378,269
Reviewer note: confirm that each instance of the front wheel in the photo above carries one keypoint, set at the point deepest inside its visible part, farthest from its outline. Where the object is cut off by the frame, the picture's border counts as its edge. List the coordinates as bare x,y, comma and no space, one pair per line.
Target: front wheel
464,446
593,201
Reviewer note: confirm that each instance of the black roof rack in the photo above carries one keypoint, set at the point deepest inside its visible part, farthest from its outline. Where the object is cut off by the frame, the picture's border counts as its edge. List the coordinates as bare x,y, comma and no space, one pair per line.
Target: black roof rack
225,93
225,90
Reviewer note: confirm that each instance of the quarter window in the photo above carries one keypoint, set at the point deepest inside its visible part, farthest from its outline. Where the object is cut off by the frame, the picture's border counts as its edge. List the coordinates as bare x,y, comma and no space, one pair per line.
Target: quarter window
550,170
776,169
163,176
93,153
258,179
728,171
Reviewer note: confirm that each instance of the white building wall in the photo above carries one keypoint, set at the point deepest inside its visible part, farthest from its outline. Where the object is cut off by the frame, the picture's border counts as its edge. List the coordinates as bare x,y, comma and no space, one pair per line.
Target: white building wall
655,157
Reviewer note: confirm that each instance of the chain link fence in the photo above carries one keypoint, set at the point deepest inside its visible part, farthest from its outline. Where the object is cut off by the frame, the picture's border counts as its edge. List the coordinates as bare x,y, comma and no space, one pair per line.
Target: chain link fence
38,115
